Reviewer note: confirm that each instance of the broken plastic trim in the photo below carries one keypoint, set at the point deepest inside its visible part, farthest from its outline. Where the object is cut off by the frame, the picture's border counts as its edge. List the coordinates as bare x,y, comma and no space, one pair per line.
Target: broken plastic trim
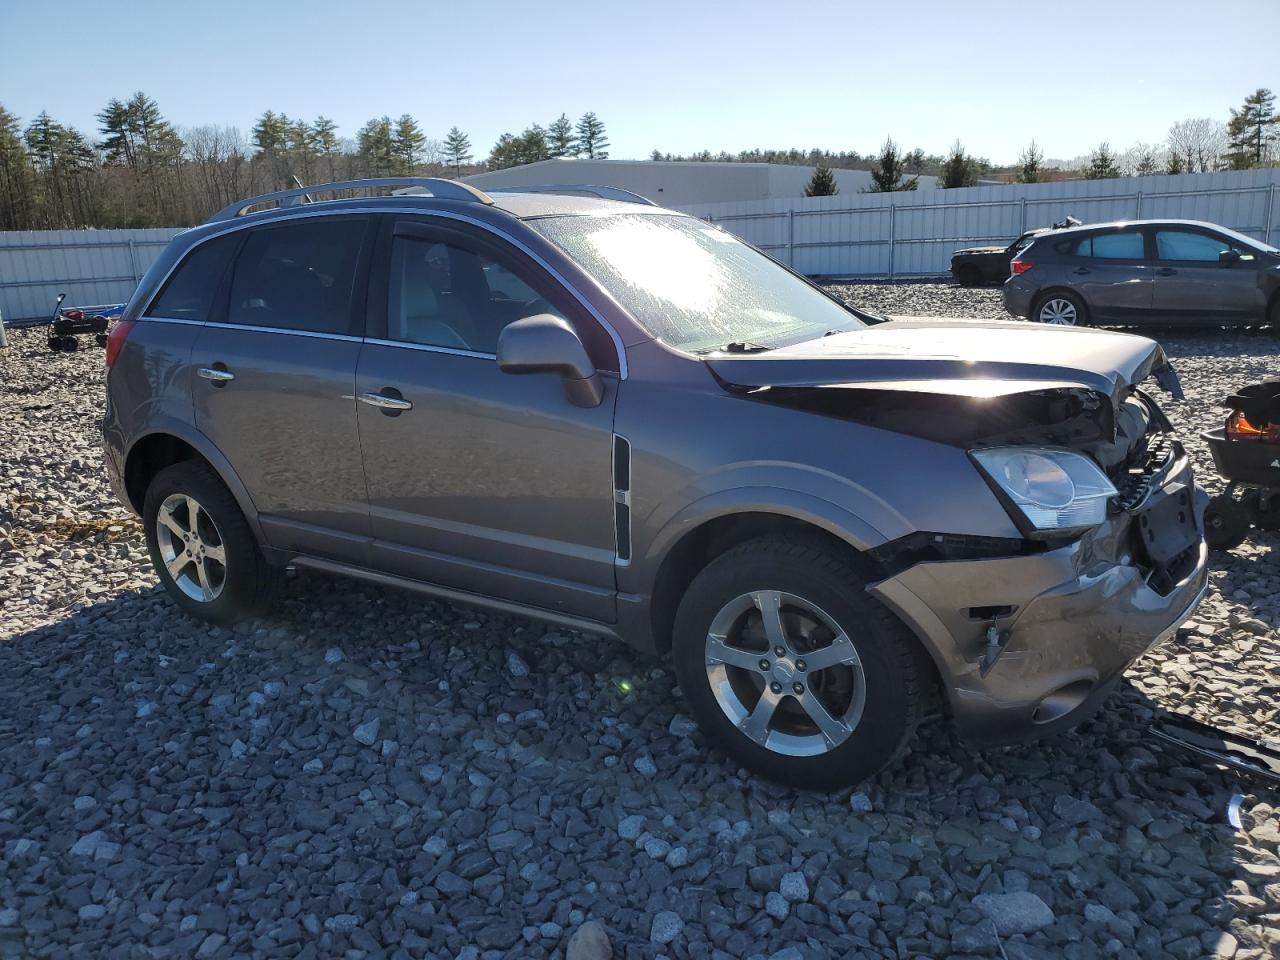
1257,758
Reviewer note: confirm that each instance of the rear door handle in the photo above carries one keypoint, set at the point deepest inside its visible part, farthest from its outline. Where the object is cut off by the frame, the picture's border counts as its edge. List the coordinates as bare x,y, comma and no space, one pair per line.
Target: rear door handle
218,375
1166,272
388,401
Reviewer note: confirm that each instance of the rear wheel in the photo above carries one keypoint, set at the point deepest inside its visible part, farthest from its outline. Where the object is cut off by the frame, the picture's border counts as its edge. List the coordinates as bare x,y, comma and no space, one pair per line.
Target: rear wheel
792,670
969,275
201,546
1060,309
1226,522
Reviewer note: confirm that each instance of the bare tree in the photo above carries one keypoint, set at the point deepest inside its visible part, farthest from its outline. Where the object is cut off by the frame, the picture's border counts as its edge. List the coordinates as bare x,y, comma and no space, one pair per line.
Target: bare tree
1198,144
218,166
1143,160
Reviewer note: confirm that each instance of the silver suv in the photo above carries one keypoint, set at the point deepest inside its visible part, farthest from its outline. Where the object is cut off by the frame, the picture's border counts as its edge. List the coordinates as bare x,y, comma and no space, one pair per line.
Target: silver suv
618,418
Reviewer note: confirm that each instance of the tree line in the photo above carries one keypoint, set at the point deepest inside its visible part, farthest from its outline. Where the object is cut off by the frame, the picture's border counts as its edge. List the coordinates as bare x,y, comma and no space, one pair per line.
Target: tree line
142,171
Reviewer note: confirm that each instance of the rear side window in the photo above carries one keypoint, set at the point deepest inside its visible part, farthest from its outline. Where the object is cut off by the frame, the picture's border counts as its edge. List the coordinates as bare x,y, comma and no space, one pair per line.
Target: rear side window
190,292
1112,246
1182,245
297,277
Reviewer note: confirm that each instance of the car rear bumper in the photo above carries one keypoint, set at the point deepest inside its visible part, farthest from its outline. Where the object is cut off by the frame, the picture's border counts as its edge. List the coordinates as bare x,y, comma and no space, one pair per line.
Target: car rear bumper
1018,295
1067,622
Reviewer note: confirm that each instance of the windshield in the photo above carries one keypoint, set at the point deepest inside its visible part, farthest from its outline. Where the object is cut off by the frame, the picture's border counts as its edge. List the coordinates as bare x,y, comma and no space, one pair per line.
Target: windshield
694,286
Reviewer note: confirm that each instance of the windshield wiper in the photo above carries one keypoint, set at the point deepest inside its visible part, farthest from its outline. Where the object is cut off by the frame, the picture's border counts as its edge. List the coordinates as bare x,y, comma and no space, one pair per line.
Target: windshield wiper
744,346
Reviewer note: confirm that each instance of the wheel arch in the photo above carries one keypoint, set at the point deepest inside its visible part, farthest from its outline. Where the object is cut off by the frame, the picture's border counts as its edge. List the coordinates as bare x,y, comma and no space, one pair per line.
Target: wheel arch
1042,295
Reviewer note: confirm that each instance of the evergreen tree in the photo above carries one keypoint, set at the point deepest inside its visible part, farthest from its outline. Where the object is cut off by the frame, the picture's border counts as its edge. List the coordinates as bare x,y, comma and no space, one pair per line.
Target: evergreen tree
271,136
1102,164
407,145
375,147
60,157
1029,164
592,141
1252,130
822,183
532,145
457,150
322,143
560,139
655,156
887,174
958,170
505,153
16,187
1174,165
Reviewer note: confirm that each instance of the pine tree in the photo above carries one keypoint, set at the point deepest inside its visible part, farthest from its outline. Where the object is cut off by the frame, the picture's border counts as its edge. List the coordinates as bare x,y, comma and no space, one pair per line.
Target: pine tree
1102,164
505,153
16,187
887,174
322,141
457,150
533,145
591,138
60,157
407,144
1252,130
560,138
822,183
1029,163
375,147
271,136
958,170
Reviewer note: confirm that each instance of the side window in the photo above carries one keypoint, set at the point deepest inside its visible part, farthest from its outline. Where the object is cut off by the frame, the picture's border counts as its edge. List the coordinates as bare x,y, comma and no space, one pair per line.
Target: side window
1181,245
445,295
1126,245
299,276
190,291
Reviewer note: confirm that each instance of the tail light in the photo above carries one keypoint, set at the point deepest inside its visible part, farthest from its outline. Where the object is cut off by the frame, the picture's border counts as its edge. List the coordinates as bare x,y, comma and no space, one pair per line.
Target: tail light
115,340
1239,427
1017,265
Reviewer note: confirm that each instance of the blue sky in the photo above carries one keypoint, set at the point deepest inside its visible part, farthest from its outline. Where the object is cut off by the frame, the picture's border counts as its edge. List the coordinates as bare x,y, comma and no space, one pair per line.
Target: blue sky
679,76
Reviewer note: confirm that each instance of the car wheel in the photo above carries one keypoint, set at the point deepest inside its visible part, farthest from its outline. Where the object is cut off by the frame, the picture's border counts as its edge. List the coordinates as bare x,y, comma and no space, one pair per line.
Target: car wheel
1061,309
201,546
969,276
1226,522
792,670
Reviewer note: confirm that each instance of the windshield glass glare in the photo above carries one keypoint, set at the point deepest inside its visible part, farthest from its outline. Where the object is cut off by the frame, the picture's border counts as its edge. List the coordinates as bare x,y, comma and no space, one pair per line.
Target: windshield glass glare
693,286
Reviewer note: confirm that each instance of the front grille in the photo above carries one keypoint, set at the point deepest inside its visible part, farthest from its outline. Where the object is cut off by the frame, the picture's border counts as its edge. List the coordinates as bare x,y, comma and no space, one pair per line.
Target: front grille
1134,486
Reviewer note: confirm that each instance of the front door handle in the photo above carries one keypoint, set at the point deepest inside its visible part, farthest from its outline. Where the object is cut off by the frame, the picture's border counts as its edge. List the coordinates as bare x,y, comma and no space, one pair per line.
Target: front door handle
217,374
1166,272
389,401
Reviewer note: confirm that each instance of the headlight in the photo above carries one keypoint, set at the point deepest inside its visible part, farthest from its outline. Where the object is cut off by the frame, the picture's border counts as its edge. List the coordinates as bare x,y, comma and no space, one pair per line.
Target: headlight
1056,490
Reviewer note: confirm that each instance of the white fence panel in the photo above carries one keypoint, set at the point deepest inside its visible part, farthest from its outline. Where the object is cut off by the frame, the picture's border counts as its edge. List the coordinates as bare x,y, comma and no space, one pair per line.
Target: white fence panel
915,233
91,267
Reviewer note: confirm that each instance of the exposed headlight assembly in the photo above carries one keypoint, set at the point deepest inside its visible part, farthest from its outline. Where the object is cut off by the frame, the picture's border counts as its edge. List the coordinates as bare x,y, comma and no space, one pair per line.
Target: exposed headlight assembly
1057,491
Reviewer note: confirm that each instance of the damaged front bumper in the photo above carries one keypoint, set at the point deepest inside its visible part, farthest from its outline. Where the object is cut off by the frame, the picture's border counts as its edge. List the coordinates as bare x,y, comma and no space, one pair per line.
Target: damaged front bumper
1029,645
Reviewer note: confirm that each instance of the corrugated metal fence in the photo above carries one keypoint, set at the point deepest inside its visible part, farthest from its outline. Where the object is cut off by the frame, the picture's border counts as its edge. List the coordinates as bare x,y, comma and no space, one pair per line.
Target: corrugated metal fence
90,266
914,234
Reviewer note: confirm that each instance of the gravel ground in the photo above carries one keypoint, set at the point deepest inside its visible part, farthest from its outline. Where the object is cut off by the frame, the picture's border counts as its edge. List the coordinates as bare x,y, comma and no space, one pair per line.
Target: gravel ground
368,773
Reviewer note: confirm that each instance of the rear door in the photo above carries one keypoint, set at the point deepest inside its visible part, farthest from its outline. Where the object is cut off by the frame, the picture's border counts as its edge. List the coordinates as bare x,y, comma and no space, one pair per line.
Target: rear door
1111,271
1192,286
481,480
275,379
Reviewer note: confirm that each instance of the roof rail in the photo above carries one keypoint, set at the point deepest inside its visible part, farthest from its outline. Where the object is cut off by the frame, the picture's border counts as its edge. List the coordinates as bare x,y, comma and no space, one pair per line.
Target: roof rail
578,189
435,186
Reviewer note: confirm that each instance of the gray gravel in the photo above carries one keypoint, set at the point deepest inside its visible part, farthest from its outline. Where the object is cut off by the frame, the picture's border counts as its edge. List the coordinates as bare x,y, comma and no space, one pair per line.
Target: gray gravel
371,774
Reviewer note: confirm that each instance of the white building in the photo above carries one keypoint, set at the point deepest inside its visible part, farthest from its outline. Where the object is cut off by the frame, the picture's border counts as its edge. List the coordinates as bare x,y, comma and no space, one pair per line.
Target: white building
676,183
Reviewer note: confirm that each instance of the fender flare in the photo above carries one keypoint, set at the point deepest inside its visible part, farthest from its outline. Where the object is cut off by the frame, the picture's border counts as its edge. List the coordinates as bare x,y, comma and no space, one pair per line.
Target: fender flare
169,426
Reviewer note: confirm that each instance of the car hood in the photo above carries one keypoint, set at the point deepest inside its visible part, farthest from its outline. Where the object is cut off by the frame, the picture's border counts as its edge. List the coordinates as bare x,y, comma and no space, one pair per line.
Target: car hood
989,358
968,250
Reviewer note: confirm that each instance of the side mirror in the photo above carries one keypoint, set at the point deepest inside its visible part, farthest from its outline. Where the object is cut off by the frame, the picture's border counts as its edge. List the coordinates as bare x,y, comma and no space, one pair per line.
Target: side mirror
545,343
1228,258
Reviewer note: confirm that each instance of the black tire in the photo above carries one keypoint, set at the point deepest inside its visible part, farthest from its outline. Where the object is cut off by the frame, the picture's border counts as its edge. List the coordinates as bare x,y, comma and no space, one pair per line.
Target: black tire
247,583
1226,523
893,665
1273,315
1082,312
969,276
55,344
1268,519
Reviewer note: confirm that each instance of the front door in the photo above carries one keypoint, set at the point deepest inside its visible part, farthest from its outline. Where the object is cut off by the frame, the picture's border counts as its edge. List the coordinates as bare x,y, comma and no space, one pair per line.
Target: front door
275,383
480,480
1192,286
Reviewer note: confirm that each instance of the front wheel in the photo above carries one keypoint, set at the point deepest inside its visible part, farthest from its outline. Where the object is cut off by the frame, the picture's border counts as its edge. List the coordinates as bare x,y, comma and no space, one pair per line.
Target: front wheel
201,546
1061,309
969,276
792,670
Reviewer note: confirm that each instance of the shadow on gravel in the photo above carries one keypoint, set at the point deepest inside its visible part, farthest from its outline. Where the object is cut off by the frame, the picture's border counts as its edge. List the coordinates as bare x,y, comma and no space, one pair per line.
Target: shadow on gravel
371,770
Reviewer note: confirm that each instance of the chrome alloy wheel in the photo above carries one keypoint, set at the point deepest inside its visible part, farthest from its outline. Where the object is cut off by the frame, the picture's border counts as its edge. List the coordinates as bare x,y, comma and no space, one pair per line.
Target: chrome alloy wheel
1058,311
191,547
784,673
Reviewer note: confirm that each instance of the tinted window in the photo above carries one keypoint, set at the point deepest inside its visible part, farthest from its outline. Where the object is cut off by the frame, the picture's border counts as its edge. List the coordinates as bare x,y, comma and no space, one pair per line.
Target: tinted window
190,292
1112,246
1179,245
444,295
297,277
